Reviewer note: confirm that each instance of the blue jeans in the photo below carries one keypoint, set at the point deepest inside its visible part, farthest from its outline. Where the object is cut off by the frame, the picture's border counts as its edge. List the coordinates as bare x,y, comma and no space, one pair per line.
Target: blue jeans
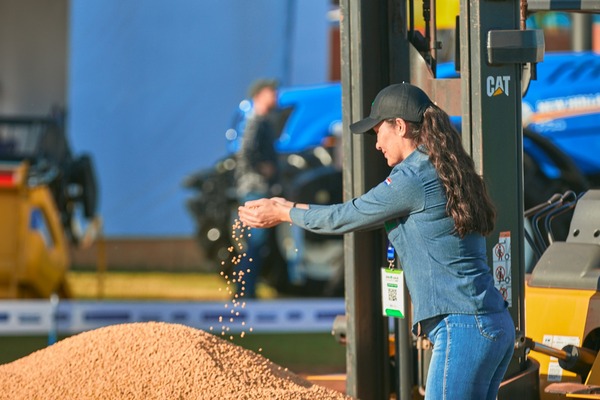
256,248
470,356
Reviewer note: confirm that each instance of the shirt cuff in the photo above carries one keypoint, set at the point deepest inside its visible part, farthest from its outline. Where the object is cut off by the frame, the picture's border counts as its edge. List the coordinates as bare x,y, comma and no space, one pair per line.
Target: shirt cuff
297,216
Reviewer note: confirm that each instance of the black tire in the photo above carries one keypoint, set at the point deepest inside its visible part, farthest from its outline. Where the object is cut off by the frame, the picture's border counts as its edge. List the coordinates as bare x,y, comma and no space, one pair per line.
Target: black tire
571,178
539,187
81,172
320,185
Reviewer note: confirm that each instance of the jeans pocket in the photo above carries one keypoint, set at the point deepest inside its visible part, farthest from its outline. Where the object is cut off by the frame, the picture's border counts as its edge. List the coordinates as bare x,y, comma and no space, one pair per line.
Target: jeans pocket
491,326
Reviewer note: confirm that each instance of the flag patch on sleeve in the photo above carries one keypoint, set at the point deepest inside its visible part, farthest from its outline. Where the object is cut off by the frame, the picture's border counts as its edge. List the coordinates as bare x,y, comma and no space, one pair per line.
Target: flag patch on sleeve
388,181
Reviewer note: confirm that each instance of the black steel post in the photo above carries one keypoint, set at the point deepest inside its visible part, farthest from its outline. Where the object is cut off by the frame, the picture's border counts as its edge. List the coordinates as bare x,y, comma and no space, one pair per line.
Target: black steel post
364,72
492,132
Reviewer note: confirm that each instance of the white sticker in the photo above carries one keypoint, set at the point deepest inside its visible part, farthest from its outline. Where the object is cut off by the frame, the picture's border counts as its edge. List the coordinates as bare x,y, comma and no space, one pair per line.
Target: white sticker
502,266
554,372
392,292
559,342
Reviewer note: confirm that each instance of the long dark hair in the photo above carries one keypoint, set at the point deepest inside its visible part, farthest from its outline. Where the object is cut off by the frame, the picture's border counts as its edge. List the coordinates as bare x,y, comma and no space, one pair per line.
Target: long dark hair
469,204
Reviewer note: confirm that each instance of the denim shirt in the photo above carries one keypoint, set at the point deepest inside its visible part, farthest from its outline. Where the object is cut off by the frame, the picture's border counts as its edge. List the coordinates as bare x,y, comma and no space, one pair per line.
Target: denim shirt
444,273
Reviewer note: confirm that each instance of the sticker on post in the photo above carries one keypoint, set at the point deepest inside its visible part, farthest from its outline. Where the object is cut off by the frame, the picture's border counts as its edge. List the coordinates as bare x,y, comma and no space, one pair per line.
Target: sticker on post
502,266
392,292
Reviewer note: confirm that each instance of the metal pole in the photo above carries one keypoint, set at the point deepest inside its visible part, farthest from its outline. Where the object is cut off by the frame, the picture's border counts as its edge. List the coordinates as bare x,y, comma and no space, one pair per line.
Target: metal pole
581,32
365,66
492,132
405,380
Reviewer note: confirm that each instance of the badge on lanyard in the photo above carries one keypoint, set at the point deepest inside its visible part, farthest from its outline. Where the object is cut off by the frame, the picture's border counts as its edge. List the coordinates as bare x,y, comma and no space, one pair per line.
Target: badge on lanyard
392,287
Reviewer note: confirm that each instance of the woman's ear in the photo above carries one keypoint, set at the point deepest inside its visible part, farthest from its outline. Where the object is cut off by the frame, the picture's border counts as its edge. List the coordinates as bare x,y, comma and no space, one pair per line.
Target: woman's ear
401,126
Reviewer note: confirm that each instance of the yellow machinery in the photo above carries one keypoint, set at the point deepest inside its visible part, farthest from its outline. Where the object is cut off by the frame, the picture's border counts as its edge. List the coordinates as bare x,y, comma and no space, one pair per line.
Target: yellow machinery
33,246
562,302
44,193
589,390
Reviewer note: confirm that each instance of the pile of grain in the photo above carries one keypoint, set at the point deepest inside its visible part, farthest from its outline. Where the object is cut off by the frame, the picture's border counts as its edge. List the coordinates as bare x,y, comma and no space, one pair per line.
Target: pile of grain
151,361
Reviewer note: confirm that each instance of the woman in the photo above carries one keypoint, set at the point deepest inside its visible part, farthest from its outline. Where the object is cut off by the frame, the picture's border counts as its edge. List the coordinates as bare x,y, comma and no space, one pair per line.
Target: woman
436,212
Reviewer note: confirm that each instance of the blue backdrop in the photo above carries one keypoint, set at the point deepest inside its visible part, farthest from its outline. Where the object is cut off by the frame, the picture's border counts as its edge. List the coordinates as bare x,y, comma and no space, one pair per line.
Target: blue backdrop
153,85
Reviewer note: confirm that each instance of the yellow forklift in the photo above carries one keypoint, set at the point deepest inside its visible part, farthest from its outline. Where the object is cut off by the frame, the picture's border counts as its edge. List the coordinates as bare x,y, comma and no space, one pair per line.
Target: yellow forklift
555,308
46,196
562,308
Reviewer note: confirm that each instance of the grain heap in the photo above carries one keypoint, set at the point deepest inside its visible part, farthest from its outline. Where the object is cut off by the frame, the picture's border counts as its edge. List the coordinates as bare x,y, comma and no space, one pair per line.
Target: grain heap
151,361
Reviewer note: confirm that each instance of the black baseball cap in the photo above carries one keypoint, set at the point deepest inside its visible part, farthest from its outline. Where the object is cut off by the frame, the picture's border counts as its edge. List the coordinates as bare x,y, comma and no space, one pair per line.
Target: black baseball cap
401,100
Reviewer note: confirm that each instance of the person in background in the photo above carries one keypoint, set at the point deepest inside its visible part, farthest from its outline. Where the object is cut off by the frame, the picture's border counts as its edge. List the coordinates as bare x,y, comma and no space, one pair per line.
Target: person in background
256,175
437,212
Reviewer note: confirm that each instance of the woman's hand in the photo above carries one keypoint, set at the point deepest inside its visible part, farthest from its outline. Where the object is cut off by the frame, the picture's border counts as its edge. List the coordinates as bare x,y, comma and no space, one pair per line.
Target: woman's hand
265,213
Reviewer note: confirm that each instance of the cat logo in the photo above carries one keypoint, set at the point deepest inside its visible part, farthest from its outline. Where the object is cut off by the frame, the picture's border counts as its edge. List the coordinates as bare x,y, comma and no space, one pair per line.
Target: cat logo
497,85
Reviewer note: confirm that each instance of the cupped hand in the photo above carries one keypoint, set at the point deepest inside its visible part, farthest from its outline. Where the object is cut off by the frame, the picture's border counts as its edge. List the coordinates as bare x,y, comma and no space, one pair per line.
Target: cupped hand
264,213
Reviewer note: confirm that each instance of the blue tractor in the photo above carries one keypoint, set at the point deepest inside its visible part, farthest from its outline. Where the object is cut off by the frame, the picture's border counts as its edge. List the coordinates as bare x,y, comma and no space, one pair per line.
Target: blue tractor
561,141
561,123
562,109
299,263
